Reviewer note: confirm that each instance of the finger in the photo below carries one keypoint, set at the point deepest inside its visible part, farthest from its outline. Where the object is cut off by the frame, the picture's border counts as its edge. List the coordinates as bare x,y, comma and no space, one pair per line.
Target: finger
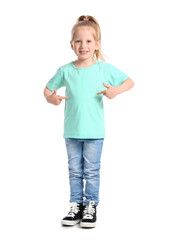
106,85
55,91
102,92
62,97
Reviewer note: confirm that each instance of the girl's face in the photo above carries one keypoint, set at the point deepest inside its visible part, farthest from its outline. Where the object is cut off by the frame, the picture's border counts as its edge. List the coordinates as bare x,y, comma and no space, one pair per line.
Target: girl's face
84,44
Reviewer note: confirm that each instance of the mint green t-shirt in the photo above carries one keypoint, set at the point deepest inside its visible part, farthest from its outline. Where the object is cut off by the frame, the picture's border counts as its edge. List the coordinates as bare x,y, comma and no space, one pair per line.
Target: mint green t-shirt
84,111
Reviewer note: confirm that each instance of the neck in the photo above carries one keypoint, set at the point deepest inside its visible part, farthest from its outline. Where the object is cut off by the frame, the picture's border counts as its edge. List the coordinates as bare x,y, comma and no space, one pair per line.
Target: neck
84,63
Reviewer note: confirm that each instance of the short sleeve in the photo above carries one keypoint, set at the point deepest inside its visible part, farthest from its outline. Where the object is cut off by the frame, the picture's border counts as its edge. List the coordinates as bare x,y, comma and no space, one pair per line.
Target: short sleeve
115,77
56,81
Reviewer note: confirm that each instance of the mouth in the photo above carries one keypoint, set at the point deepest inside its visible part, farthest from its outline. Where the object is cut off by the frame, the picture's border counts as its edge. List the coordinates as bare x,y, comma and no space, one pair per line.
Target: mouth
83,52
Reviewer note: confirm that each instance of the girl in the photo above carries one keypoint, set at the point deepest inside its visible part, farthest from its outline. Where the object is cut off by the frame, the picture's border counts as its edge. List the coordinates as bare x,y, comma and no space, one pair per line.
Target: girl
87,80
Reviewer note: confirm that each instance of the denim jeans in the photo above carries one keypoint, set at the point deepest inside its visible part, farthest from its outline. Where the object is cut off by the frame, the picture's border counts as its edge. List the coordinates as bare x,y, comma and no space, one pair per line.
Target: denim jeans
84,169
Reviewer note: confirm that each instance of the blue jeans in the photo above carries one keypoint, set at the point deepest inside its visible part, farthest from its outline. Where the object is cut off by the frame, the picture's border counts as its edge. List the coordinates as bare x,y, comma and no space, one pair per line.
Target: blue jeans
84,167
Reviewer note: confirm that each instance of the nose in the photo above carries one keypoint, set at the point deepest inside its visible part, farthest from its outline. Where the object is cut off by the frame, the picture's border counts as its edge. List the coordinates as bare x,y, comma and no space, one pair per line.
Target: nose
83,44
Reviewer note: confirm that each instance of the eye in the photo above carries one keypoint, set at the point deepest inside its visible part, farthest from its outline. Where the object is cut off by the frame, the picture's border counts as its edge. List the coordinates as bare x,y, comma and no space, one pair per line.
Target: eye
77,41
89,41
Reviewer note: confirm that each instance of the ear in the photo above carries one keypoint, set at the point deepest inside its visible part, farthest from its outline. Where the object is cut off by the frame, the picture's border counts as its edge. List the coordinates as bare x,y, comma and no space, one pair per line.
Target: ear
98,44
71,44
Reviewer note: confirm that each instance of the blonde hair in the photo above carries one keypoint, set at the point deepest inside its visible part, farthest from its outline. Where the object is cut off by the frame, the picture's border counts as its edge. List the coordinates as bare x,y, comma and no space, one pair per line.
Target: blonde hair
89,21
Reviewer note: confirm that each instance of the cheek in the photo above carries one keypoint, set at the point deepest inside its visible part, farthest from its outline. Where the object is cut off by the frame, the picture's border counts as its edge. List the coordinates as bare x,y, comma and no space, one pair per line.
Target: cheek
92,48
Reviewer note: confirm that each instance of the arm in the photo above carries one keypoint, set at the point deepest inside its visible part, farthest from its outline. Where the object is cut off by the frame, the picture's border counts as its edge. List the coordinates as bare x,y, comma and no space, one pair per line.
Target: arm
47,92
52,98
125,86
111,91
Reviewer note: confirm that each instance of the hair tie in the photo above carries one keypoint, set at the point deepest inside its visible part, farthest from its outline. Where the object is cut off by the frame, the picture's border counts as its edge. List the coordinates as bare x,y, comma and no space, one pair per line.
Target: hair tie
87,19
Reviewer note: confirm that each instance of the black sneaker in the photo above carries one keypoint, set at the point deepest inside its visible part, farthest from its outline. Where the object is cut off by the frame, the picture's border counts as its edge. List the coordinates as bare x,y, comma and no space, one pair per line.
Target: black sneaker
74,216
89,216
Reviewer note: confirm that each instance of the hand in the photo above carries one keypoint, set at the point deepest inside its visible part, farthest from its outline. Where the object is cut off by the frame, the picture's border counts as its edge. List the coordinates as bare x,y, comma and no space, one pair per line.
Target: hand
110,92
55,99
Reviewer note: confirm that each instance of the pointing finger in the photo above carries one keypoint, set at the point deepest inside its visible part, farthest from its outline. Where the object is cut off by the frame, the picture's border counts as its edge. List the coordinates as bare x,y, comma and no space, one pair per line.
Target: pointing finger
62,97
102,92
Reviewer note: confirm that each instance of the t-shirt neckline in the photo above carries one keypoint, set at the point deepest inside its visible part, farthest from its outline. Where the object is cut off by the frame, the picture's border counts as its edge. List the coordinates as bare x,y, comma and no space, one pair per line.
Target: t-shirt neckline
84,67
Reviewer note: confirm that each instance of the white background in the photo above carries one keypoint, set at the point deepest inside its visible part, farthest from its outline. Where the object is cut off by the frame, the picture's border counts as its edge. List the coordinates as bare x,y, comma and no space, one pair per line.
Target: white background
135,192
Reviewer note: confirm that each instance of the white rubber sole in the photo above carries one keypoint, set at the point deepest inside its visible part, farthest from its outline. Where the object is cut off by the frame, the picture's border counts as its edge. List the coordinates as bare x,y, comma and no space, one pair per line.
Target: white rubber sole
87,224
69,223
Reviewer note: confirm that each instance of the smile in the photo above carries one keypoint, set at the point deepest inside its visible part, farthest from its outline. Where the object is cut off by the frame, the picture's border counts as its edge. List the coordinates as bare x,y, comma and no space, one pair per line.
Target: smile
83,52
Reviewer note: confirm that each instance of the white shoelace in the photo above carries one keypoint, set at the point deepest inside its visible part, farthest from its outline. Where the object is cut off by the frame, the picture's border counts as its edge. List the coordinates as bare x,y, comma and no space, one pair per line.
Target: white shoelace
89,211
73,209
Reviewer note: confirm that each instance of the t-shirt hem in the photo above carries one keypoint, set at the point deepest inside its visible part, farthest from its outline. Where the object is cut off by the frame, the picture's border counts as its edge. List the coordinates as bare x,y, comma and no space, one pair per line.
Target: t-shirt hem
83,137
